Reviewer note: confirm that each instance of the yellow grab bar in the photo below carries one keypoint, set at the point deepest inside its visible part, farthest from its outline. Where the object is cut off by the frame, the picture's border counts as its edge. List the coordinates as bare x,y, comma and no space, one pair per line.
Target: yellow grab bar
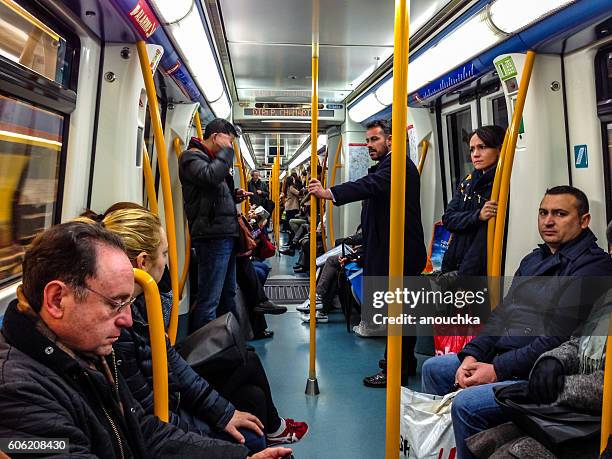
424,150
606,409
198,124
398,209
242,173
502,206
158,343
312,386
177,150
149,182
495,197
332,235
162,163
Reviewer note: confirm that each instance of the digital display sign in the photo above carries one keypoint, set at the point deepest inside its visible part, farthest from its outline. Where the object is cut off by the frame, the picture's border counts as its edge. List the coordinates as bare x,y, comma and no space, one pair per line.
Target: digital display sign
285,112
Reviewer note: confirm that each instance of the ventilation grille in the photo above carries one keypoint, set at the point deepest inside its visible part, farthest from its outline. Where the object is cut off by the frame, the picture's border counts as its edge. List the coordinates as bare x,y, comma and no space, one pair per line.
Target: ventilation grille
287,291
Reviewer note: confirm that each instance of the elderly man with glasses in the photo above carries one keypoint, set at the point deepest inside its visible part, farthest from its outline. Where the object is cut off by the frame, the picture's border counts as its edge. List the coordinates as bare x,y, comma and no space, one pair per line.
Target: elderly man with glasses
58,373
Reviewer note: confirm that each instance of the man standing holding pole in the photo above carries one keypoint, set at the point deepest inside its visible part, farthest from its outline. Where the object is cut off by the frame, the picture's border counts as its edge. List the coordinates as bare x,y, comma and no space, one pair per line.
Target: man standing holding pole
375,191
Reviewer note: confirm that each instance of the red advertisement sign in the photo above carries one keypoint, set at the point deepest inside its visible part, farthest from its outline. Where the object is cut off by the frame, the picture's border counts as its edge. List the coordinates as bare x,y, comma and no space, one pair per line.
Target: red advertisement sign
144,19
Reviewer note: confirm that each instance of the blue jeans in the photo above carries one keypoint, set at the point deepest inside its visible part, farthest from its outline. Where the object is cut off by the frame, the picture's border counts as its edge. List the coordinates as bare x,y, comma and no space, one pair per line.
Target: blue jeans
473,410
262,269
252,441
216,280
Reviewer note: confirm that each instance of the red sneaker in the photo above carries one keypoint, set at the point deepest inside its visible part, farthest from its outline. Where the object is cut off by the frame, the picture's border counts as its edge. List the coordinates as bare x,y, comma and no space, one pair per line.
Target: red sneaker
294,432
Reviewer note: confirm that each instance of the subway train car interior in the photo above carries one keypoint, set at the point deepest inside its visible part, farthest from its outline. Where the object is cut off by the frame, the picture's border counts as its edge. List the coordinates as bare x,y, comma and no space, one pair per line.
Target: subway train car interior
503,109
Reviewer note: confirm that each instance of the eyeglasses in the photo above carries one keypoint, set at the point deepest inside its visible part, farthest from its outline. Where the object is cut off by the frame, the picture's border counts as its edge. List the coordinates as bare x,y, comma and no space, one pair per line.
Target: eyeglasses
116,305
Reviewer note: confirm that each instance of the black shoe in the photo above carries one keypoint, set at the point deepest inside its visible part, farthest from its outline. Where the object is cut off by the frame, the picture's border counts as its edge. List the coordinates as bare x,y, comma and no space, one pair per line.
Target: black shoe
289,252
297,265
379,380
264,334
299,270
267,307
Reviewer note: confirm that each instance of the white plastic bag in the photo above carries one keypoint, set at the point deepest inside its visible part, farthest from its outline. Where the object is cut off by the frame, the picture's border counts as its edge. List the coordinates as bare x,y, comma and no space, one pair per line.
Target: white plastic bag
332,253
426,428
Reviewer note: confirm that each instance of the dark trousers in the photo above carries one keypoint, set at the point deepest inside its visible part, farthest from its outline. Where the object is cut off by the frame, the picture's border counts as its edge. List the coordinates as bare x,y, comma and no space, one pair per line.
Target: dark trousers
253,292
409,361
249,390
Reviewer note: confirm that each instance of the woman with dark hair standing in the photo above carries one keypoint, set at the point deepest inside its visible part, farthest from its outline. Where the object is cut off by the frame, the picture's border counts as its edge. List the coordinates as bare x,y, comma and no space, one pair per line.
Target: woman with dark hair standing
467,213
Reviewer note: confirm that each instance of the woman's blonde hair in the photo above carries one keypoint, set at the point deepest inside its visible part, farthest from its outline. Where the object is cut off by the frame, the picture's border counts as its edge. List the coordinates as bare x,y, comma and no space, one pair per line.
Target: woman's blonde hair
138,228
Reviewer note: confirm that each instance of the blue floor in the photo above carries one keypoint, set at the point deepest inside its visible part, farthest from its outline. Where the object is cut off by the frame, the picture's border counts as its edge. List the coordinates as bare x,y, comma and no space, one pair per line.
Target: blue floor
347,419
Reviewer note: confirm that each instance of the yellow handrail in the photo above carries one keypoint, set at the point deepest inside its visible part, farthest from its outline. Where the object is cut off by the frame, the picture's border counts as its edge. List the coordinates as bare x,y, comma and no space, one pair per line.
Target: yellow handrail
198,124
398,209
332,235
242,173
162,164
177,150
606,409
149,182
158,343
424,150
495,197
312,383
502,206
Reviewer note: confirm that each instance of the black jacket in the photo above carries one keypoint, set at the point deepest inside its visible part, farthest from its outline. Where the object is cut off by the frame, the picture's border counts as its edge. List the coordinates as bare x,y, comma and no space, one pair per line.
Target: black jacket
208,191
45,392
258,199
467,252
186,388
539,313
375,191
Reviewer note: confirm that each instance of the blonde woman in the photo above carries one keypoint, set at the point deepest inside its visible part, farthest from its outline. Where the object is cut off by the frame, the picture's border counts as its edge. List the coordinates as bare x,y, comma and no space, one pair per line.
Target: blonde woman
201,408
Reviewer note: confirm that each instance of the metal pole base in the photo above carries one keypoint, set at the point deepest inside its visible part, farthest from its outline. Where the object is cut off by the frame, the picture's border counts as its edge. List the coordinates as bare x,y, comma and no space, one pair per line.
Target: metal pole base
312,386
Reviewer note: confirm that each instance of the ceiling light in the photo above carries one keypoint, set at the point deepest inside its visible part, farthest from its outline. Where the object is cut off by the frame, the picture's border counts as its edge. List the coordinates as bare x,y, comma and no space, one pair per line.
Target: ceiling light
172,11
468,40
221,107
365,108
282,176
301,158
190,37
321,141
246,154
512,15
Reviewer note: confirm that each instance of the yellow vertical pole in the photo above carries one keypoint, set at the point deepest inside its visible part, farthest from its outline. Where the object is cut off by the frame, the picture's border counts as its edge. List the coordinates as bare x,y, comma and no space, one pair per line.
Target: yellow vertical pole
177,151
162,163
312,385
502,206
242,173
495,197
424,150
157,336
198,124
606,409
149,182
337,164
398,209
278,191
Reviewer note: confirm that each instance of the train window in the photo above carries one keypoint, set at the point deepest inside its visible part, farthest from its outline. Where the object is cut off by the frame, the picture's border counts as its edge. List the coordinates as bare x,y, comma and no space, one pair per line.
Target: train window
30,151
25,40
500,112
459,126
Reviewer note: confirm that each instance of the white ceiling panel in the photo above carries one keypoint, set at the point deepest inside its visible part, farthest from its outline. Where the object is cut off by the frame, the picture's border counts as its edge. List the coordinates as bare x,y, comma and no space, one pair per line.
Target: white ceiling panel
291,140
260,66
300,96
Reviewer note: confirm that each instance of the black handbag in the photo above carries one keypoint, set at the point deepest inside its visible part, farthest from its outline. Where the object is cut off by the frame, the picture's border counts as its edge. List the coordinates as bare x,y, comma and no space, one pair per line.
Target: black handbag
552,425
218,346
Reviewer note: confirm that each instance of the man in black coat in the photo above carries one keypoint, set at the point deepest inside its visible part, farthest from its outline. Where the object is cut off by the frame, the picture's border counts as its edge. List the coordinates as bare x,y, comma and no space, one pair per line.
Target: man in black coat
58,372
205,171
259,189
552,292
375,191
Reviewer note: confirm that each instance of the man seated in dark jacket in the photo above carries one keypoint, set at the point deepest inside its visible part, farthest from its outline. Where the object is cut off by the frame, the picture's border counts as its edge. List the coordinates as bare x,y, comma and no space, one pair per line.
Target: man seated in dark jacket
58,372
510,344
210,200
259,189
